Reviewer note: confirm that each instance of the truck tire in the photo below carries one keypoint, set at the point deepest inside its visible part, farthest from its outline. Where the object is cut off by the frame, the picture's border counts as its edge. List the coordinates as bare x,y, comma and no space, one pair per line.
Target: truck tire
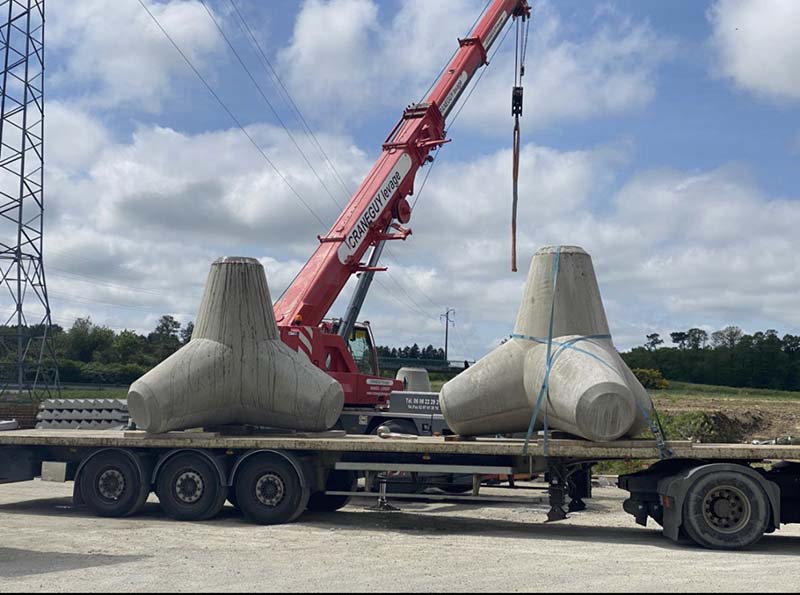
726,510
190,488
338,481
269,490
111,485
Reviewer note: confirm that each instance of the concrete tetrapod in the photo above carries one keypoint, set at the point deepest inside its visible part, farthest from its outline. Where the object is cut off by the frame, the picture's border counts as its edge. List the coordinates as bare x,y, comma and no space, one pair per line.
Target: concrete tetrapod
592,393
235,369
414,379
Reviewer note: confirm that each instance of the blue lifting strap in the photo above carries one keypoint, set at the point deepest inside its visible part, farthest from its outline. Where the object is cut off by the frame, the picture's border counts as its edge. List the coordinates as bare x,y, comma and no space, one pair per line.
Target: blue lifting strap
654,423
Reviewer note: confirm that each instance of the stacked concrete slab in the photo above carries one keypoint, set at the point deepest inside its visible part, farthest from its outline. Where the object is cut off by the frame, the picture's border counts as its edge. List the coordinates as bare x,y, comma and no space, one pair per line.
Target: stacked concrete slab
587,390
83,414
236,369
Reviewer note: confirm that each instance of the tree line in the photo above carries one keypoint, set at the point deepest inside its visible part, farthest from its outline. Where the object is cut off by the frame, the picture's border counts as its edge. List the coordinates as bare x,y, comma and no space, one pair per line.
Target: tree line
728,357
91,353
412,352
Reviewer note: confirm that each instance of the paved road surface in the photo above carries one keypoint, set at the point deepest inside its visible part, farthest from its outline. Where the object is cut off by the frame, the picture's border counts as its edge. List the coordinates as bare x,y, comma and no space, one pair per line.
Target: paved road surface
46,545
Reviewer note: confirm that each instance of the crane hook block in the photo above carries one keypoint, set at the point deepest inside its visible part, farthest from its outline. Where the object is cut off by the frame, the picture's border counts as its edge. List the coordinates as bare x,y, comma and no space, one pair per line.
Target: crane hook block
516,101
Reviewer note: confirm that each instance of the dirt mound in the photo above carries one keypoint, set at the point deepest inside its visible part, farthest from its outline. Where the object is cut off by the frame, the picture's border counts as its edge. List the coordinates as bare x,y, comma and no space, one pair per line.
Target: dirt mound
729,421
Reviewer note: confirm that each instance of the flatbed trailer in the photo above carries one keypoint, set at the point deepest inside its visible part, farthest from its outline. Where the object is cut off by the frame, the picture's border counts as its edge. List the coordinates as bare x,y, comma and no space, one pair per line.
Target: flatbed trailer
723,496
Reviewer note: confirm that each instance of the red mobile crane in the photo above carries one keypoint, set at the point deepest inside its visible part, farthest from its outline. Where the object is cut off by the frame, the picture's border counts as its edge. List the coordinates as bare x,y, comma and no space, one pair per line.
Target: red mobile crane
377,213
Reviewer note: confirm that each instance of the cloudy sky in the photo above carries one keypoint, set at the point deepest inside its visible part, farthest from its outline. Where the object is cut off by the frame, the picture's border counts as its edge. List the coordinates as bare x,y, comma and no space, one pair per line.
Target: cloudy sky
664,138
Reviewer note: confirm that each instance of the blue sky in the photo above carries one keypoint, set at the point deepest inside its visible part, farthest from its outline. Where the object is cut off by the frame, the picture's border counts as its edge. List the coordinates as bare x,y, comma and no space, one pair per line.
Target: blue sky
662,137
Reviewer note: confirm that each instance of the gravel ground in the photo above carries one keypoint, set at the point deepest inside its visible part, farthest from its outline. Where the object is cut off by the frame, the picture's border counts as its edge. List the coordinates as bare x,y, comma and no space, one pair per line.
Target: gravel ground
46,545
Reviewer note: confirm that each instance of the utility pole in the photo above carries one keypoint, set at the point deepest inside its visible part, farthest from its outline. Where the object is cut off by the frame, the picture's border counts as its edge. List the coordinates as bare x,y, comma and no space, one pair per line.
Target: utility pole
447,322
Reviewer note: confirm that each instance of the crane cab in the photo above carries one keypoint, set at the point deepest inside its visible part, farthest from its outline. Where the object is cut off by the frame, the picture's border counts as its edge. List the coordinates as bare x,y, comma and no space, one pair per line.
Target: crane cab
353,363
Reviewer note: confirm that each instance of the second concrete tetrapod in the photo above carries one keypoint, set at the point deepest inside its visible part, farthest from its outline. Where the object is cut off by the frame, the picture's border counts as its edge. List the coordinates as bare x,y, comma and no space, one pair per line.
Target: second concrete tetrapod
590,391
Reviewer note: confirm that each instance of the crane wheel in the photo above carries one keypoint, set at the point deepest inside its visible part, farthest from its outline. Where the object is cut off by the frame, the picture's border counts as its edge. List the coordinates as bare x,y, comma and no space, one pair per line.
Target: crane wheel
269,490
726,510
111,485
338,481
190,488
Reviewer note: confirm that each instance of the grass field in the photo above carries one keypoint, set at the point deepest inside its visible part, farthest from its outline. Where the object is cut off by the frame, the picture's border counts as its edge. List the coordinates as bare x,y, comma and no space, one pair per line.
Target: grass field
685,390
106,393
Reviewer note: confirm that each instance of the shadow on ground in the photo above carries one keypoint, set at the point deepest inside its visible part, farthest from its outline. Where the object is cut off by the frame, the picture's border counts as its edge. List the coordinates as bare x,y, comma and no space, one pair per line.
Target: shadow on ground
16,563
417,519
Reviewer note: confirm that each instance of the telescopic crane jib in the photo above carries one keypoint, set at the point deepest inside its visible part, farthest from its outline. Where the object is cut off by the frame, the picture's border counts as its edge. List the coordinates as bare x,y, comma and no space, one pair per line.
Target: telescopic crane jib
376,213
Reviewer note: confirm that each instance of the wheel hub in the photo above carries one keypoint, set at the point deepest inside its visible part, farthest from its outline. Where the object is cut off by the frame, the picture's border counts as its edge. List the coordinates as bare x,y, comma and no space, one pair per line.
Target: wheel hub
726,509
111,484
270,490
189,487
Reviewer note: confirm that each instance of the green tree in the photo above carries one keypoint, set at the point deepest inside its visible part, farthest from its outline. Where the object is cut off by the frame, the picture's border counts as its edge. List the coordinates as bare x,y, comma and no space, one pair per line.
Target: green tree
85,340
186,332
164,340
679,338
129,347
653,341
696,338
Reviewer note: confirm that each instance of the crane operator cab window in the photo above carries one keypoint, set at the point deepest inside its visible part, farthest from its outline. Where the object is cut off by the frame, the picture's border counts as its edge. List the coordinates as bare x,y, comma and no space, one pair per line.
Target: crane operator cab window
360,343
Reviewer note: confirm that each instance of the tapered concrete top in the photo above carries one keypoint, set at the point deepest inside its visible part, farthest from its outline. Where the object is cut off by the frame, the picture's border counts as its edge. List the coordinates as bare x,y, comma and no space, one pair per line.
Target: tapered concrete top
578,305
236,260
562,249
236,304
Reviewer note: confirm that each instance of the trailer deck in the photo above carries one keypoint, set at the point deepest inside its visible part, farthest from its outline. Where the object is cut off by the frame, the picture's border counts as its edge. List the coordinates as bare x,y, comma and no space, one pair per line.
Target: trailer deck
431,445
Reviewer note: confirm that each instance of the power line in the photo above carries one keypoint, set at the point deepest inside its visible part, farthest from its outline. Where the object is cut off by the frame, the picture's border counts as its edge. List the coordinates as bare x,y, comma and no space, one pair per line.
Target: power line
230,113
88,279
289,100
267,101
286,95
84,300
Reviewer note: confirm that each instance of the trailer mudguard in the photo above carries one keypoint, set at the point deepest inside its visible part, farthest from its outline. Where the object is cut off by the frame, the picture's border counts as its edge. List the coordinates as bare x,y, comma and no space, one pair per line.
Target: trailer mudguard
676,487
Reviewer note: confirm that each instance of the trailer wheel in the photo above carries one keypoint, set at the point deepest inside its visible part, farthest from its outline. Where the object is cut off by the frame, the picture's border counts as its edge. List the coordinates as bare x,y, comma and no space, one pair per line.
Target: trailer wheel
190,488
726,510
111,485
338,481
269,490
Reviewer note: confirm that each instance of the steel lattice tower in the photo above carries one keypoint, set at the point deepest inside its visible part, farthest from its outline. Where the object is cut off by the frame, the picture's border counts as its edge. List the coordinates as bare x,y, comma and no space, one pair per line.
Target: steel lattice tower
29,370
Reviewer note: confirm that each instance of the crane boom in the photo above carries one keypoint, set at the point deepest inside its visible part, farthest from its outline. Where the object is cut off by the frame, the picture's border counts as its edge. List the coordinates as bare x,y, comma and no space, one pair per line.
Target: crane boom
379,208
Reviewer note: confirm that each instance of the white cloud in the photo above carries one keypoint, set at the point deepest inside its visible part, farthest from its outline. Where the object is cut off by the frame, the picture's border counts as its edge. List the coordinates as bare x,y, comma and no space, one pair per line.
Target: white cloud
758,45
362,65
115,54
608,72
132,235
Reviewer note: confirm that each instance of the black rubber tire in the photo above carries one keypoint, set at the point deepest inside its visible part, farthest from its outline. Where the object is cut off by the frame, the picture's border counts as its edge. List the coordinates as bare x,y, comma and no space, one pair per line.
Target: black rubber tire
202,476
704,525
338,481
270,477
111,485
